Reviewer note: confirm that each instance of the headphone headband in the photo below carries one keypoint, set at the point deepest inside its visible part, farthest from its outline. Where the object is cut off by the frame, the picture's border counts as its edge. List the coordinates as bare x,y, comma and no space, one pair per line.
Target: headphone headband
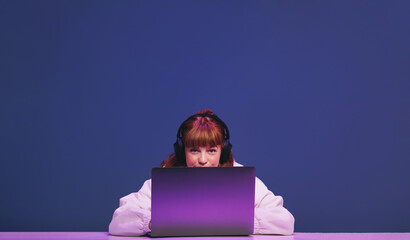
225,130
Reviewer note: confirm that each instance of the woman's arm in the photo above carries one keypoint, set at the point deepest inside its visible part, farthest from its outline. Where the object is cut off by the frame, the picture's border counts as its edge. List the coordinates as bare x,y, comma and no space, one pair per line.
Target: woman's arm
134,214
270,215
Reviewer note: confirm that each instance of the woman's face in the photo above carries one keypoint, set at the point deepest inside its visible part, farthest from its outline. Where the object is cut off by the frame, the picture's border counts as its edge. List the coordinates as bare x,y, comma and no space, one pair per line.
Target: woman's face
203,156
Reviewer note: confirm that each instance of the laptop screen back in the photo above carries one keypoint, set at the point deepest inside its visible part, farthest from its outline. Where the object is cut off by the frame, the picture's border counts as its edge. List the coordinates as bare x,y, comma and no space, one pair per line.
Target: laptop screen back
202,201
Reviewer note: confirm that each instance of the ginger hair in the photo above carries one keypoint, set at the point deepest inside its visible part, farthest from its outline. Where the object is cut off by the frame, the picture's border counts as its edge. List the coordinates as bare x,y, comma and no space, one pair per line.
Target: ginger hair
197,132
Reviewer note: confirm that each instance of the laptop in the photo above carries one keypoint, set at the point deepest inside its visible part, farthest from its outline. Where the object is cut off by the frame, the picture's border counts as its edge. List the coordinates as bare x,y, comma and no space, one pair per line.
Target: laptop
207,201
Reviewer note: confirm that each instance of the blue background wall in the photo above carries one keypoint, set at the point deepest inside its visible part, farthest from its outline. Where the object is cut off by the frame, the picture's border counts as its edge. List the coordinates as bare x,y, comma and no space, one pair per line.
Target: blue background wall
316,95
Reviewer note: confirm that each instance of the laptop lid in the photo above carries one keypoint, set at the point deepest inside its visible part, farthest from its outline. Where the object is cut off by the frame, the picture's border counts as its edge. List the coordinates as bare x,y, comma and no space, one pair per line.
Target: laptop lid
202,201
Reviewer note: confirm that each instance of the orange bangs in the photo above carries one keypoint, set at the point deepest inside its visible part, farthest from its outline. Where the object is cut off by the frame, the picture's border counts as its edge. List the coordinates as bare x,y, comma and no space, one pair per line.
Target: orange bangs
203,132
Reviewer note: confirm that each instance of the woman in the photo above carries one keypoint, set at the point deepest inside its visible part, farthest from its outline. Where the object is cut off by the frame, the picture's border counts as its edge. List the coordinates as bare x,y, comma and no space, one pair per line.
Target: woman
202,141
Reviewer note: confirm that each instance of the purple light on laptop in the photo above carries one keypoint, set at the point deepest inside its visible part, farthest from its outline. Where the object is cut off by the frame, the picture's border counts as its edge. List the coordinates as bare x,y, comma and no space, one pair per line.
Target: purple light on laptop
203,206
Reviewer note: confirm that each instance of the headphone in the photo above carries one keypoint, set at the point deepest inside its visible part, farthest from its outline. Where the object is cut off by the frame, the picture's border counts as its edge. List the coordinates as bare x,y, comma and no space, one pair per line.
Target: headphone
179,147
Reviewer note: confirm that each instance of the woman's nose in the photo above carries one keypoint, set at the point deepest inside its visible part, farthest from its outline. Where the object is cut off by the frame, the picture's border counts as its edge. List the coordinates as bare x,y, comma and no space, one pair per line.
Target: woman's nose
202,159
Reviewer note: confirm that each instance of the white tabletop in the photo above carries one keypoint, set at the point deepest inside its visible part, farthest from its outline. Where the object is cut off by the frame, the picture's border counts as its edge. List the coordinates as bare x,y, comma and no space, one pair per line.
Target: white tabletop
296,236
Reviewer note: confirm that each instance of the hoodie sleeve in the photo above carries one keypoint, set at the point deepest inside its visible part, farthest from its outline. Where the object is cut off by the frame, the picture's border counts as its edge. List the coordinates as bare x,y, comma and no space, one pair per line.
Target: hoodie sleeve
134,213
270,215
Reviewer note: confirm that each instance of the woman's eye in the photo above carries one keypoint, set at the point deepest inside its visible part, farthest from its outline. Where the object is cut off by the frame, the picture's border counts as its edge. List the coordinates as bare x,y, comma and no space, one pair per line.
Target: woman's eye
193,150
212,150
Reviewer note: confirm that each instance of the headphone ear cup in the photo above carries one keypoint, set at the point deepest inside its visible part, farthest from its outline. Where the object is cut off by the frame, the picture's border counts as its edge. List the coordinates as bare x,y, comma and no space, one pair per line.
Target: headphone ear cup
226,151
179,151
